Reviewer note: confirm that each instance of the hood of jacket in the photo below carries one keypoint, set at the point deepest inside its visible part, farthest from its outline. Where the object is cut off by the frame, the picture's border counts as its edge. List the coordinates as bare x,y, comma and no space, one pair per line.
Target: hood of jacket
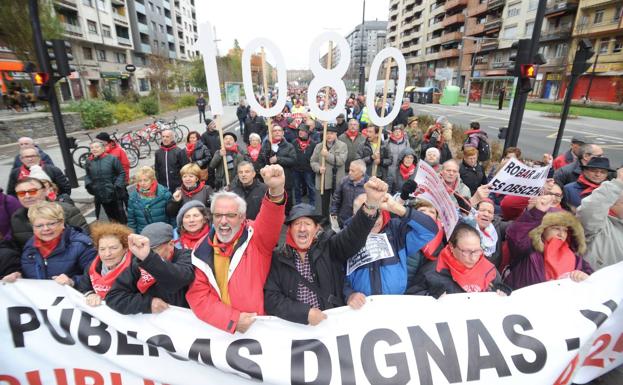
407,151
576,238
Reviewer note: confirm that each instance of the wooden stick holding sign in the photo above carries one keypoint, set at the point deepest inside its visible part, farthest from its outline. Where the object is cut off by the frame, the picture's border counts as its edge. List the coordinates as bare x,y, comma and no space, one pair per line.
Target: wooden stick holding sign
325,123
269,121
388,70
220,134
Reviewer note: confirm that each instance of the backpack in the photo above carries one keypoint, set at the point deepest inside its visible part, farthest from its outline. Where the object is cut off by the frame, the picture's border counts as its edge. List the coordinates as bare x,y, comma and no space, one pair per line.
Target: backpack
484,150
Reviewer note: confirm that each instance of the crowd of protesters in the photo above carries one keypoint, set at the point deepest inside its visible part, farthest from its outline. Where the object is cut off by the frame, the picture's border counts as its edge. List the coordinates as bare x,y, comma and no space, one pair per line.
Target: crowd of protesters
202,228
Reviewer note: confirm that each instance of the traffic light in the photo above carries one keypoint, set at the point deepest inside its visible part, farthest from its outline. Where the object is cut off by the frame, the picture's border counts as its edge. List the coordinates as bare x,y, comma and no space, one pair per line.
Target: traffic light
582,56
520,55
42,84
528,71
59,56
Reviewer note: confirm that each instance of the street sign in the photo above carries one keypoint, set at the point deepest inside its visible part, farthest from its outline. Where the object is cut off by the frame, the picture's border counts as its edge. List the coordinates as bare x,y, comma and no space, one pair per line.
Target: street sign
130,68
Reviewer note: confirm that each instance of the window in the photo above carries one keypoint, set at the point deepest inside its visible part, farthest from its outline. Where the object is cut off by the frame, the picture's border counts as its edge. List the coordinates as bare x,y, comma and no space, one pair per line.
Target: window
87,53
618,45
599,16
151,6
161,28
153,27
101,5
106,30
143,85
92,27
513,12
529,28
561,50
101,54
159,10
120,57
532,5
617,12
88,3
510,32
603,45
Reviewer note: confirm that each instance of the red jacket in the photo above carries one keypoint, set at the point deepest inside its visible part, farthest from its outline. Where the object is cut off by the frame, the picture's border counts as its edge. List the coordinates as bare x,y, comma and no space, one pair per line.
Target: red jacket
115,150
563,160
248,271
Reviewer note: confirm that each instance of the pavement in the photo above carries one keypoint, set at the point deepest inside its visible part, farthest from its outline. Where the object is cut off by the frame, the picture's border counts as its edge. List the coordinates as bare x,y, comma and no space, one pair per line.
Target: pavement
538,132
81,197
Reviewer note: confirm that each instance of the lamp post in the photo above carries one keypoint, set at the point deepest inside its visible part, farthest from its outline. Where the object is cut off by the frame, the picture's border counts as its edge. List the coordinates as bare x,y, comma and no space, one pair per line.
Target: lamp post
362,68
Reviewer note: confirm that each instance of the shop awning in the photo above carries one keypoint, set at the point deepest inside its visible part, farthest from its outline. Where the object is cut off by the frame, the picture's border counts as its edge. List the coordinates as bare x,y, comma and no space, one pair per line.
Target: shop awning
409,89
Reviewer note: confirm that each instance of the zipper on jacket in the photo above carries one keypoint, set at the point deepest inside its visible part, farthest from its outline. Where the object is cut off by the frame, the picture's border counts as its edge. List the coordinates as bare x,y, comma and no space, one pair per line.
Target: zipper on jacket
166,167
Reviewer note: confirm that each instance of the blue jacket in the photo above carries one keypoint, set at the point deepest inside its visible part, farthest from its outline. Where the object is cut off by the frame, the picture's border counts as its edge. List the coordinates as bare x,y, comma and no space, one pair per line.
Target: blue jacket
573,193
407,235
142,212
72,257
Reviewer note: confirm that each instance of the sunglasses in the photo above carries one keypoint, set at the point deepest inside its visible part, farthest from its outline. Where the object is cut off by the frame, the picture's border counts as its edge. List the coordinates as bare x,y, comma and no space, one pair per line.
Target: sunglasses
21,194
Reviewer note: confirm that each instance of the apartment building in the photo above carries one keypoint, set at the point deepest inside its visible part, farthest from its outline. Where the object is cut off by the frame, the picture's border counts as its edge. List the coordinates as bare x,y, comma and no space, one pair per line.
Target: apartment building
374,37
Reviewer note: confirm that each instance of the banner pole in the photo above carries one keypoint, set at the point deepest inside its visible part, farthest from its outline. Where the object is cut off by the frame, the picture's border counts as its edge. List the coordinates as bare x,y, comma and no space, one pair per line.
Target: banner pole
379,139
266,101
324,124
220,133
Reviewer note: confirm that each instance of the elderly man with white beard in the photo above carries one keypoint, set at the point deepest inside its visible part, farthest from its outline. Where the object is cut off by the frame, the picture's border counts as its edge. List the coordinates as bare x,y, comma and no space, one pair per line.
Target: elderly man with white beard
233,260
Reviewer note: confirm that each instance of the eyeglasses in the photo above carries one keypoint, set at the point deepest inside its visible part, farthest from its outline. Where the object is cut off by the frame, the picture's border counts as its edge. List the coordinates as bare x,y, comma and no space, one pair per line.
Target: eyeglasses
30,156
555,194
32,191
46,225
218,216
469,253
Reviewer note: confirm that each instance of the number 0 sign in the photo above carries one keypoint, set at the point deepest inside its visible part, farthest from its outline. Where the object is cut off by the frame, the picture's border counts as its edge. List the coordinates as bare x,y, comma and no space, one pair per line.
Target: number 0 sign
208,51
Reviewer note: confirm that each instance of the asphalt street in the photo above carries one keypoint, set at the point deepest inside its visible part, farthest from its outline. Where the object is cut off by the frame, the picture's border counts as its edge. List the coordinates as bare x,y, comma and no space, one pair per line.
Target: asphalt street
538,132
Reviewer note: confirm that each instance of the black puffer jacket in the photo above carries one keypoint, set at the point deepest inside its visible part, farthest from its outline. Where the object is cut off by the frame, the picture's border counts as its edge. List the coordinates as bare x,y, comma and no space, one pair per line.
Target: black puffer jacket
382,171
327,256
201,155
212,140
202,196
252,194
168,165
172,281
473,177
105,179
286,158
254,125
303,157
55,173
9,258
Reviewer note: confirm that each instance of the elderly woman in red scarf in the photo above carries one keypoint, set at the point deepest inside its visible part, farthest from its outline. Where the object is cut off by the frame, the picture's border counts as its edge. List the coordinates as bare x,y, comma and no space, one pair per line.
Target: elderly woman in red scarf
434,138
193,188
192,224
196,151
113,257
460,268
546,244
147,200
253,151
407,165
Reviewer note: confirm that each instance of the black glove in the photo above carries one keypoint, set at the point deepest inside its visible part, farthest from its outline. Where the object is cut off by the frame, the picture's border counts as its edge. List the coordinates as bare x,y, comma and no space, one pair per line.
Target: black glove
407,189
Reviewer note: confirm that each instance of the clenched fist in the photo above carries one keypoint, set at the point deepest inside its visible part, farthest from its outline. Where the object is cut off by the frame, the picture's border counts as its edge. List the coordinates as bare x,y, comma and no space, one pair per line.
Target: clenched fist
139,246
275,178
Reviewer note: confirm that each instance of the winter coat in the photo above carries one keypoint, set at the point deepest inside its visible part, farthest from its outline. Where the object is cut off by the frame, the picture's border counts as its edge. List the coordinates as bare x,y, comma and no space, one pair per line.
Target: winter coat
365,153
203,196
201,104
115,150
519,243
22,229
286,158
327,255
568,174
461,190
144,211
604,232
252,194
352,146
341,128
8,205
334,165
217,164
407,235
71,257
254,125
530,270
415,140
344,197
396,185
9,258
446,154
168,165
573,194
201,155
563,159
45,158
55,174
172,280
248,270
303,158
242,112
430,282
212,140
105,179
395,149
472,177
403,116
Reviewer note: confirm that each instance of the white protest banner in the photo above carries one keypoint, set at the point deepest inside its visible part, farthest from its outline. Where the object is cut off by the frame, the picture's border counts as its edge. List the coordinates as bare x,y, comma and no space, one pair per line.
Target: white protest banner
557,332
431,188
516,178
377,247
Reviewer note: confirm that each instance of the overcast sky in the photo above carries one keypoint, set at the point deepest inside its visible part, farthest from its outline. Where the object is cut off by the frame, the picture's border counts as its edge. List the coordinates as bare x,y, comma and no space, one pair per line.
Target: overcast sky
291,25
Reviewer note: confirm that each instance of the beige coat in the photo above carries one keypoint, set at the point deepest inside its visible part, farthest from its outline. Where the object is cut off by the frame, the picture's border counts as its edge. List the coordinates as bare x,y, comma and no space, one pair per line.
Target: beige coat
337,158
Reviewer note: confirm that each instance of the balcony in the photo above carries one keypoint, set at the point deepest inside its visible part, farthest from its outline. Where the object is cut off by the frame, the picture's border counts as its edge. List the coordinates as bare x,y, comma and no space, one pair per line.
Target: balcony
452,4
167,21
72,4
115,3
558,8
489,45
140,7
120,18
607,26
562,33
493,25
145,48
434,41
500,65
477,10
452,36
124,41
436,26
170,38
554,61
598,3
166,4
172,55
72,29
495,4
143,28
448,53
475,29
459,18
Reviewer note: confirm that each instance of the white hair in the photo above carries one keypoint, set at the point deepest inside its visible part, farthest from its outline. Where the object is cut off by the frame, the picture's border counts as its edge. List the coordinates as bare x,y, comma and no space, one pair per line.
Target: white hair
253,135
435,150
26,139
359,163
222,194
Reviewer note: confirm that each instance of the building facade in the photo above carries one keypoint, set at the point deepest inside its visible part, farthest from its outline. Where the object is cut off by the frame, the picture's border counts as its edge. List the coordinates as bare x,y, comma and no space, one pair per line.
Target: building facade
374,40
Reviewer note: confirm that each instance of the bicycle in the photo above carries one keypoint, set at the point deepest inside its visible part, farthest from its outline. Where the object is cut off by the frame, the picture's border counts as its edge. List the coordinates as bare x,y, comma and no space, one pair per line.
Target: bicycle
80,154
140,144
183,129
130,150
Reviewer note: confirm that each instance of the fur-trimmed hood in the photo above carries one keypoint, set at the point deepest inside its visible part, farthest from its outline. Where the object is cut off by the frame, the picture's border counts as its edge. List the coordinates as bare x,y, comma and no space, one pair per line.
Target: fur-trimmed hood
576,238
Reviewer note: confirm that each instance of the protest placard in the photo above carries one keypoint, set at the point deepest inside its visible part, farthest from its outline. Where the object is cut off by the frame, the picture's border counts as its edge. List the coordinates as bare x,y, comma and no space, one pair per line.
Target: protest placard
517,178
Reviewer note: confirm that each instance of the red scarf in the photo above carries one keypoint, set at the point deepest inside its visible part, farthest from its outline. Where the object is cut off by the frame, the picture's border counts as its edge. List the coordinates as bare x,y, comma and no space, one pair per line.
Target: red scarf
102,284
590,186
476,279
190,148
290,242
432,246
195,191
351,134
558,258
227,249
188,240
451,189
303,144
395,138
385,218
23,172
254,152
168,148
147,280
149,193
276,141
47,247
233,148
406,172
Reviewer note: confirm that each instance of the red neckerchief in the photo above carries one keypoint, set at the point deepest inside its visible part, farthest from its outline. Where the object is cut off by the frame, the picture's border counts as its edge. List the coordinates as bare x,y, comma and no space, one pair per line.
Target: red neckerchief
102,284
406,172
451,189
47,247
558,258
188,240
590,186
226,249
194,191
432,246
254,152
352,135
147,280
91,157
168,148
303,144
23,172
150,192
233,148
396,139
190,148
276,141
471,280
385,217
